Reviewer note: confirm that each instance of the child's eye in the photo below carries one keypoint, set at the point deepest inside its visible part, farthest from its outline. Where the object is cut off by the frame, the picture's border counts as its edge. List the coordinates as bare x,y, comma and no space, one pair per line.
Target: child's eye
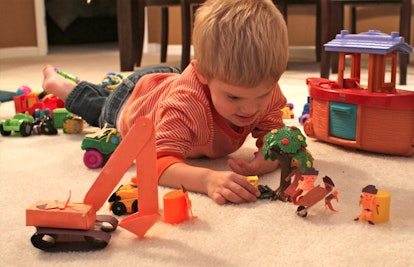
232,97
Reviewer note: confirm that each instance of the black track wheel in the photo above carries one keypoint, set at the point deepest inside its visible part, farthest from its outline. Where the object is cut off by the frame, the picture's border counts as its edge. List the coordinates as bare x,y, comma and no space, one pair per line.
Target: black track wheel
43,241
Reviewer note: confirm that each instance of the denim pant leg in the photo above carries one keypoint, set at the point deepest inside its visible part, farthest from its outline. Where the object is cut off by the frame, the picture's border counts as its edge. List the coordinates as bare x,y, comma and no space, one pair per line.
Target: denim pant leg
87,100
121,94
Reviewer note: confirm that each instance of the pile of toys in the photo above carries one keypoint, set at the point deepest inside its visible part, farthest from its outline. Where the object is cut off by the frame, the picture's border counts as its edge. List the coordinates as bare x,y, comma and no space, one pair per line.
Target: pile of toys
42,113
343,112
298,177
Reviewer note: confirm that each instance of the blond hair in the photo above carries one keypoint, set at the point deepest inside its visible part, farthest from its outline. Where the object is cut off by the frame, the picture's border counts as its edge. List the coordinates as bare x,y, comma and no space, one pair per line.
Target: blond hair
240,42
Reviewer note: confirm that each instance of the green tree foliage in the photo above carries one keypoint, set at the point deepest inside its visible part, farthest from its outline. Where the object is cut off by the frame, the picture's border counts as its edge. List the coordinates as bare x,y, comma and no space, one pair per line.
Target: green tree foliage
288,146
287,140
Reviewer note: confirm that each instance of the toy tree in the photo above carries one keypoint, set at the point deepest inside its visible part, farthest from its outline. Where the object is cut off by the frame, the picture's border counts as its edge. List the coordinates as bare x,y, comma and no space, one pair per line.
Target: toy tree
288,145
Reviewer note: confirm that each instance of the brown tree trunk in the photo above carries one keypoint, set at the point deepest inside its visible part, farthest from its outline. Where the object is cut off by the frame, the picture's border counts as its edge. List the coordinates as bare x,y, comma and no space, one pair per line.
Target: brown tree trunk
286,169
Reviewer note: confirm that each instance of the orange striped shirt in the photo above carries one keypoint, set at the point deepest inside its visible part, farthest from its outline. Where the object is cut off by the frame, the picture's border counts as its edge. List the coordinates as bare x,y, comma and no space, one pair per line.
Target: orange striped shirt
186,124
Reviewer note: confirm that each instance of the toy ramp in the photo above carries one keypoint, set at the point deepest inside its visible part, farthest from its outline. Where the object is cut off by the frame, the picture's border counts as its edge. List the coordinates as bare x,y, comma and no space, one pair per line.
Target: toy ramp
138,145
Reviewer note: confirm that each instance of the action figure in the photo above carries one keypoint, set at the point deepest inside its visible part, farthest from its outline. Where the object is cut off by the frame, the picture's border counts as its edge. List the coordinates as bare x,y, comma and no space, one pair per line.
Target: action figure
367,200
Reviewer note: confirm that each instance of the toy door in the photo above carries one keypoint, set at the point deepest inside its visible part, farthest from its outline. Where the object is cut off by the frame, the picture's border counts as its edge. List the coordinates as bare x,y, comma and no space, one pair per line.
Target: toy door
343,120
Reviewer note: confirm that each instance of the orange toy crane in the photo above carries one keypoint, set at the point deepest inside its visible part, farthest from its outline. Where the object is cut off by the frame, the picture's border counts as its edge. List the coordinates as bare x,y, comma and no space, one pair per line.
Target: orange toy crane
59,222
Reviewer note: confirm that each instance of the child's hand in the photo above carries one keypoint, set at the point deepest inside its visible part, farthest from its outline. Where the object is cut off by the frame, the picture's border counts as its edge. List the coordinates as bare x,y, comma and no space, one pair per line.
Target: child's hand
257,166
226,186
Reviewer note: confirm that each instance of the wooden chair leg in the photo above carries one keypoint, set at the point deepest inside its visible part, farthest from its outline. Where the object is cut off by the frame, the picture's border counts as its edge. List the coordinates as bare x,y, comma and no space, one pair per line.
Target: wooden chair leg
126,13
186,19
405,16
318,38
325,33
140,31
164,33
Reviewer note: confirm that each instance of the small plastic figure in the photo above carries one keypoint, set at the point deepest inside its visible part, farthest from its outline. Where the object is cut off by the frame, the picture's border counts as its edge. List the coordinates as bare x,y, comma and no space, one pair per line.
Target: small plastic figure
367,200
307,183
330,186
305,194
253,180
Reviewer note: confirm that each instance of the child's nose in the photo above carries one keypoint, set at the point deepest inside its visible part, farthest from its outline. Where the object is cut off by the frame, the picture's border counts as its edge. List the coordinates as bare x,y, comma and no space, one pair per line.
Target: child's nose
249,109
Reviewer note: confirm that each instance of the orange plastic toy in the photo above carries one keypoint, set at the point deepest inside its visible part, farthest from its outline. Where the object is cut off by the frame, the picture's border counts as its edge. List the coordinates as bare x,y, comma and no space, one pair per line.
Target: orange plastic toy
374,116
175,207
78,219
138,145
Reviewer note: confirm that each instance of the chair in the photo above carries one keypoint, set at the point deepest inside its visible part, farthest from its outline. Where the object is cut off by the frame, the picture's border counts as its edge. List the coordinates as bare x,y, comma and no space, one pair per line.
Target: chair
186,22
282,5
332,13
131,28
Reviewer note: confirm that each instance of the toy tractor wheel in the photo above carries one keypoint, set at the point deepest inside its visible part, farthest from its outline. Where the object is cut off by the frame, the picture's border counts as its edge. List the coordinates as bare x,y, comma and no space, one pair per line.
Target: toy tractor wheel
93,159
26,128
308,128
118,208
43,241
302,211
3,132
135,206
48,128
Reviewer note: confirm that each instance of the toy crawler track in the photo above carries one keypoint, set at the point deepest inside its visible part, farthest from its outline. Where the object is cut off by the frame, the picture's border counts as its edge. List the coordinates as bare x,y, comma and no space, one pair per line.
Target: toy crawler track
55,239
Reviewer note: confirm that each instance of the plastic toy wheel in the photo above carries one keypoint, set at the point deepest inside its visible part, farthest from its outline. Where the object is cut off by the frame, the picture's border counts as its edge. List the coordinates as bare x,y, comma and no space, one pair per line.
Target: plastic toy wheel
93,159
95,243
308,128
26,128
304,118
302,211
43,241
118,208
135,206
3,132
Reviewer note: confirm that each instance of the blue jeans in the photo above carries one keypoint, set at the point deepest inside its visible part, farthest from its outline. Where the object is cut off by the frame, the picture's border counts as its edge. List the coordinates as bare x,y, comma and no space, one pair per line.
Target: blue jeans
98,106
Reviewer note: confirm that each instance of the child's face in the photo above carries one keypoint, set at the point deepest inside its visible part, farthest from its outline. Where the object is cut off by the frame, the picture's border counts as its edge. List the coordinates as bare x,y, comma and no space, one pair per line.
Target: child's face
239,106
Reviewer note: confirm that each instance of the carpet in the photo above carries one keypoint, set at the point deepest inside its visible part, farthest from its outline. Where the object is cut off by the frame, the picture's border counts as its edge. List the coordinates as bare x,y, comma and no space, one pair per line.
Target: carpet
264,233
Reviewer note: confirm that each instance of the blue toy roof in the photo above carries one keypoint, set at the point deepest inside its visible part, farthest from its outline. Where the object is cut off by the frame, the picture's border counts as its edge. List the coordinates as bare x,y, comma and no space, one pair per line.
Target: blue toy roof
371,42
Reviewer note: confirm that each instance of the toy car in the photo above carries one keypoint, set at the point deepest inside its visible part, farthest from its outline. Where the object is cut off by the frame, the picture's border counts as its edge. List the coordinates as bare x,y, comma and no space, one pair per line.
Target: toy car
33,101
21,122
99,147
43,123
73,124
124,200
266,192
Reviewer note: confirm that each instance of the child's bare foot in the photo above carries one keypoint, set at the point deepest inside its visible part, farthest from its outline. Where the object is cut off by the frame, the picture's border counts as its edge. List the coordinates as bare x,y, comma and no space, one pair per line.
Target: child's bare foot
55,84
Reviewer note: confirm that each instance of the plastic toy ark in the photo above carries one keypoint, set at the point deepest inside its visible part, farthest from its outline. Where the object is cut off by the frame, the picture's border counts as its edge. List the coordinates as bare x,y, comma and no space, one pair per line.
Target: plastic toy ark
374,117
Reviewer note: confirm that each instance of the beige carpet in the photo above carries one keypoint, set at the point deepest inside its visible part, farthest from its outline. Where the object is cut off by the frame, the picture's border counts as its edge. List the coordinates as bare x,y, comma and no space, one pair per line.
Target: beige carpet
264,233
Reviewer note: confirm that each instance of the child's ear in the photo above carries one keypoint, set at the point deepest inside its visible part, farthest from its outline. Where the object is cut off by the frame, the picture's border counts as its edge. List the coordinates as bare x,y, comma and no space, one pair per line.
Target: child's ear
200,76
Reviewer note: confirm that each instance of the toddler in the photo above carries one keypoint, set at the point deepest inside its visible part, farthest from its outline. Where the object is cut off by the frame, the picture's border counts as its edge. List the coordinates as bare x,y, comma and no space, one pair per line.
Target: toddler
228,91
